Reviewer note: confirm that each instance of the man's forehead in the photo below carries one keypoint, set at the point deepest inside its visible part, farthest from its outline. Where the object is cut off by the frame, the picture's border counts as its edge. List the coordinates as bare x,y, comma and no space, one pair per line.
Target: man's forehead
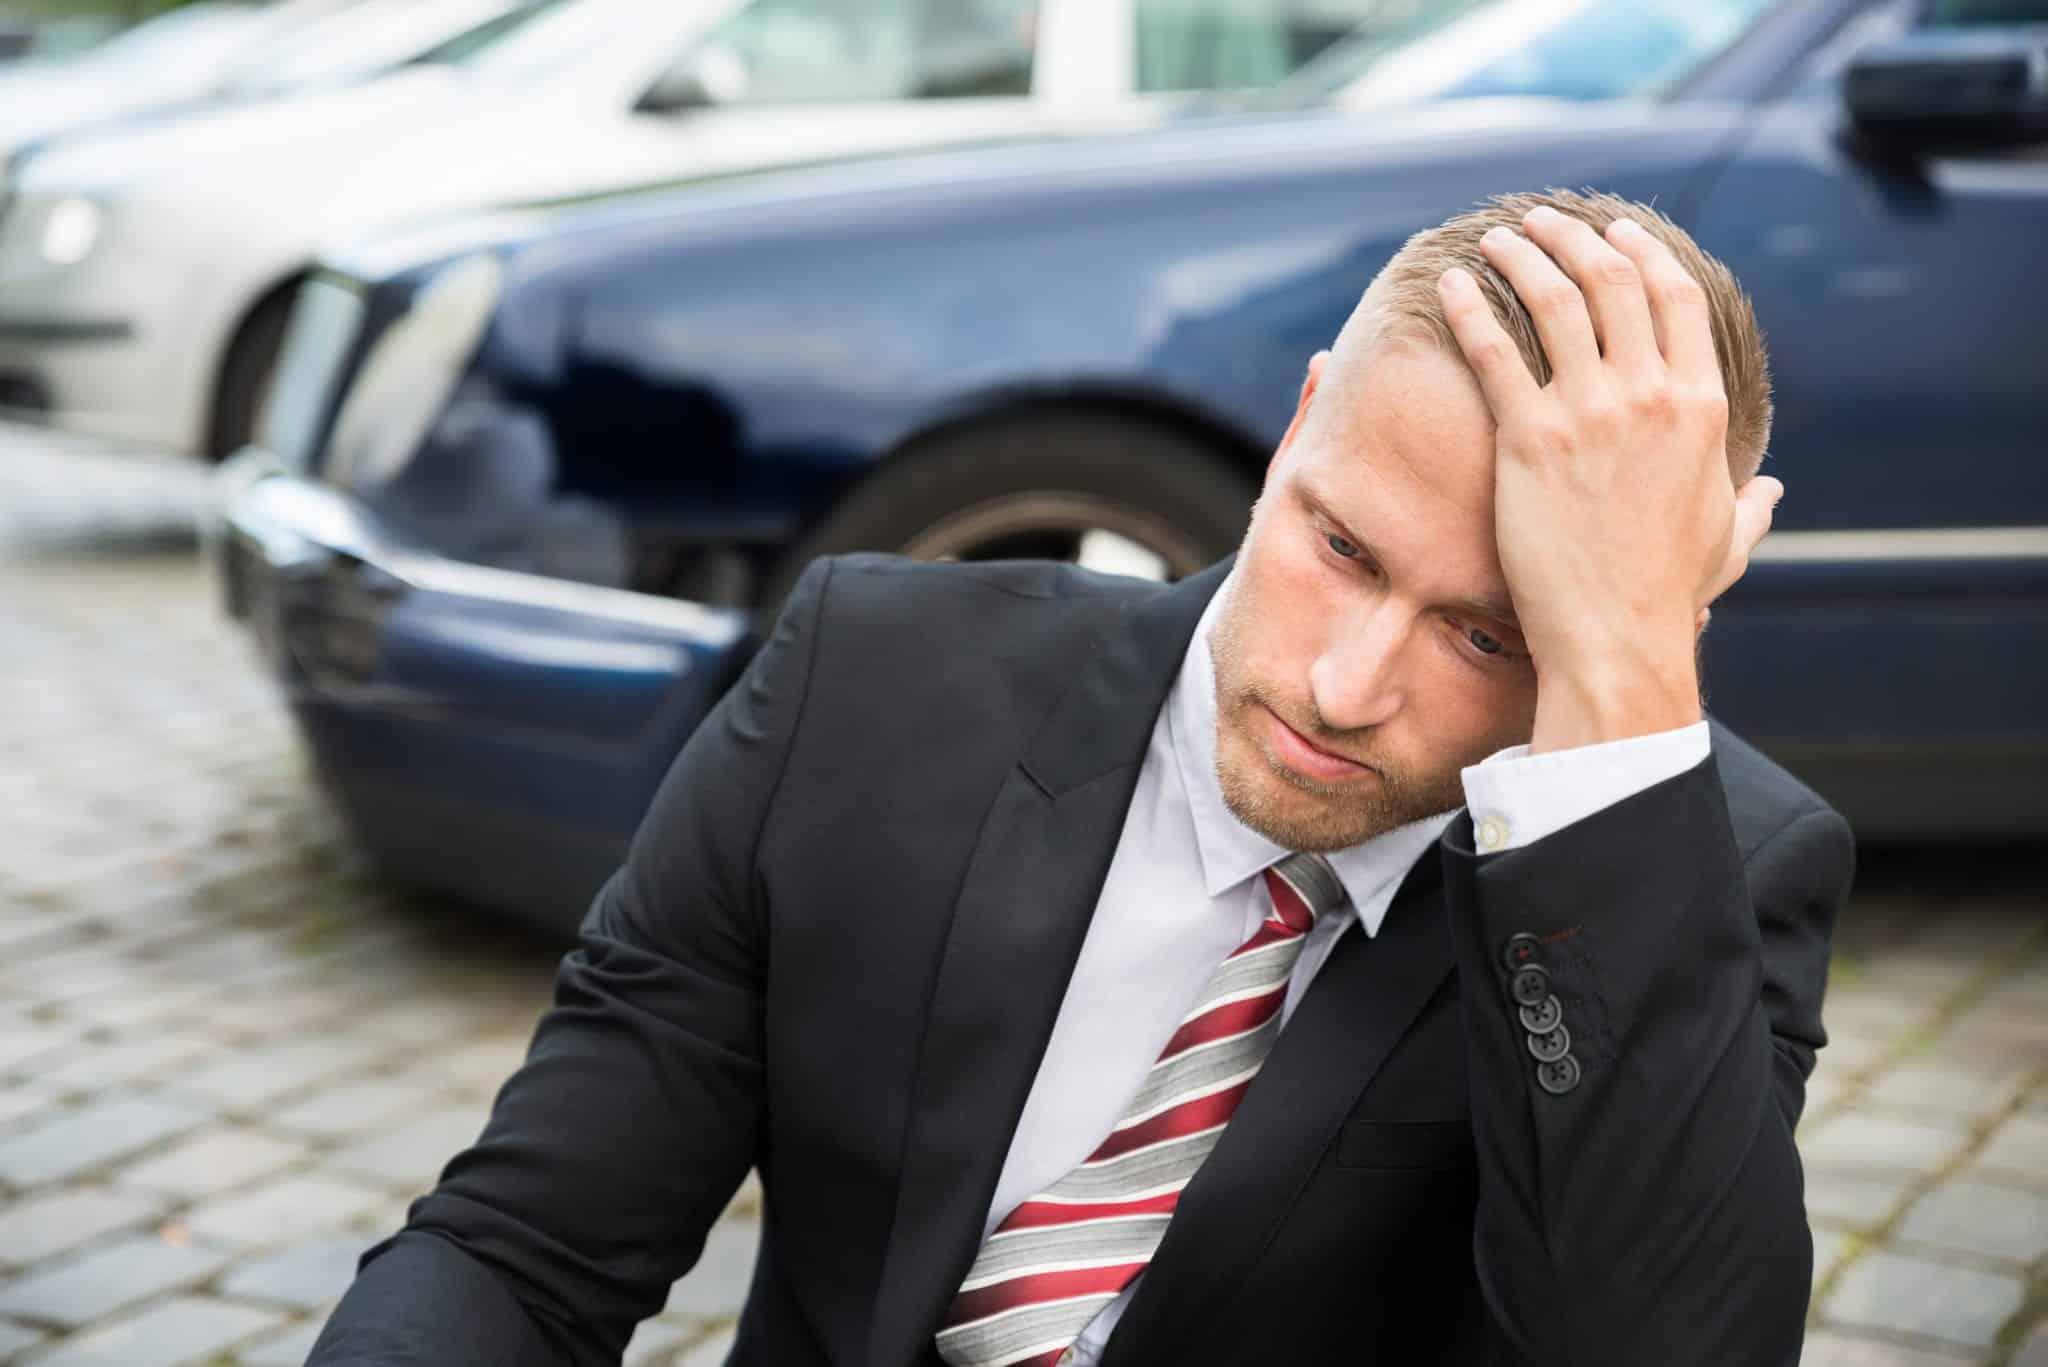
1404,460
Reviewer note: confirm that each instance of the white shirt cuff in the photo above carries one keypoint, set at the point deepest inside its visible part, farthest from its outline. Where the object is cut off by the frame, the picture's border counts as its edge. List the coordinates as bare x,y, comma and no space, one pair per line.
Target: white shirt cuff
1517,798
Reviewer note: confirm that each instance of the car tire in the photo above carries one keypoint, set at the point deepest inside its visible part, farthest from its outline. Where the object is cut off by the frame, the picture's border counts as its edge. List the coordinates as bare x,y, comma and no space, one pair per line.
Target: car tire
1036,485
245,373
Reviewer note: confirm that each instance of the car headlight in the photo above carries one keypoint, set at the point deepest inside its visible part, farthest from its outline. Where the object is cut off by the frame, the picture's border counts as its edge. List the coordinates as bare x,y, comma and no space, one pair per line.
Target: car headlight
411,372
71,228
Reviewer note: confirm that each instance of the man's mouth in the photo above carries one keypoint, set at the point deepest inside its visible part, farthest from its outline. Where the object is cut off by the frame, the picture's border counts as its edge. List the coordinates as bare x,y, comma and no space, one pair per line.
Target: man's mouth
1299,754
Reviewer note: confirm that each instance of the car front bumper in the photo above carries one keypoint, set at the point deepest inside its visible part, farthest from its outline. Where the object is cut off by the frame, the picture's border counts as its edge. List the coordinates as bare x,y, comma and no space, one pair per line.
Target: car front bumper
492,733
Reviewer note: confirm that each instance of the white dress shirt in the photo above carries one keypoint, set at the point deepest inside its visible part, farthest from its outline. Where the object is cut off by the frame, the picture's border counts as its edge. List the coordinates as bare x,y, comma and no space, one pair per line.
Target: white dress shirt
1181,894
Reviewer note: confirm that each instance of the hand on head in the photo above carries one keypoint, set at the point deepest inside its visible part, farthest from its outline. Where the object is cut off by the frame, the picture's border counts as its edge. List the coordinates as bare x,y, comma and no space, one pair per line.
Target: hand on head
1616,518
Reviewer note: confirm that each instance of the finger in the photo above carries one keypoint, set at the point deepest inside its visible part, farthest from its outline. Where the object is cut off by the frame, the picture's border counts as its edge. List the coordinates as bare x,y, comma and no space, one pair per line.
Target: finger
1552,300
1503,375
1678,305
1612,286
1754,504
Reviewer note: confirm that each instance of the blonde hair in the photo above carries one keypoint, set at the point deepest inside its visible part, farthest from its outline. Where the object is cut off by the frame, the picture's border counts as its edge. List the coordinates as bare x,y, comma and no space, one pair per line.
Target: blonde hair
1403,298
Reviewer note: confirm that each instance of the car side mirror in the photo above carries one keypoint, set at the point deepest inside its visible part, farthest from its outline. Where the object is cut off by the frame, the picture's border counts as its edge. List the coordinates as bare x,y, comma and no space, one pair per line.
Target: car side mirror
675,92
1952,85
712,75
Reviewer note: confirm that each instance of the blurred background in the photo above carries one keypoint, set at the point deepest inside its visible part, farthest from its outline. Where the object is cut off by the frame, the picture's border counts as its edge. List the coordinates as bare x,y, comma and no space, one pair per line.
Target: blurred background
411,410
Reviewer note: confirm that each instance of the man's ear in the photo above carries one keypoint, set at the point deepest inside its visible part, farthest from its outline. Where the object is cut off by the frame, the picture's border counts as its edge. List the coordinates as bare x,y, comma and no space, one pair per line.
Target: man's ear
1308,392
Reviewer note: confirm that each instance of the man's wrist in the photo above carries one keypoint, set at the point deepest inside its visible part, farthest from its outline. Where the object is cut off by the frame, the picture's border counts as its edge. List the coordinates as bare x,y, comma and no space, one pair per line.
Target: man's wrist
1615,700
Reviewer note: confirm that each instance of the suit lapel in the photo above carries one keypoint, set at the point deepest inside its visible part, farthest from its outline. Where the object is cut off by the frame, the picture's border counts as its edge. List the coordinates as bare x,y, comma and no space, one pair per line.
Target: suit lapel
1362,1001
1018,923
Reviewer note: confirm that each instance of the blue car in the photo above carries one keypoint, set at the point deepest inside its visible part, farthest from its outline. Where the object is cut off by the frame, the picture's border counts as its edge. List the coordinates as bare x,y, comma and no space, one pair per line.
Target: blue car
528,482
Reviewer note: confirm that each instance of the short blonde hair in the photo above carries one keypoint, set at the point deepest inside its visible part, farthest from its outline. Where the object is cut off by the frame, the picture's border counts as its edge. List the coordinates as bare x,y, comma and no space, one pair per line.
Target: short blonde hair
1403,297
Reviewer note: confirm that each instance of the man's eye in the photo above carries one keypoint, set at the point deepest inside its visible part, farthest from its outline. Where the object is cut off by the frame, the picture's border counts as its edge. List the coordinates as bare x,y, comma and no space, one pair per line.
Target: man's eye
1481,642
1341,546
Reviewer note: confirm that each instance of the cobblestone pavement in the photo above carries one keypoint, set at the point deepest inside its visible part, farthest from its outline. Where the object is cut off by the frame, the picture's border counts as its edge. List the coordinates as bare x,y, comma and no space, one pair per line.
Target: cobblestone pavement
230,1055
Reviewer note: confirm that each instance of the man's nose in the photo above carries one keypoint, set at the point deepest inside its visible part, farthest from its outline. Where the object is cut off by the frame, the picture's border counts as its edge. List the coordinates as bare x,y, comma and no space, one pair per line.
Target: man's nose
1357,681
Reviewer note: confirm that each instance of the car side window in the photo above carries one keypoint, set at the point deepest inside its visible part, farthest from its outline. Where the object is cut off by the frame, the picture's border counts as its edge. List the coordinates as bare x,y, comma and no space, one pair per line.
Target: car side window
789,51
1235,44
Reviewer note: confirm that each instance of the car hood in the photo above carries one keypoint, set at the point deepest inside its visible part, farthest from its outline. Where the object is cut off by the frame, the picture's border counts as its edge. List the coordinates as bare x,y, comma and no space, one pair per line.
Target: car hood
226,144
426,142
42,103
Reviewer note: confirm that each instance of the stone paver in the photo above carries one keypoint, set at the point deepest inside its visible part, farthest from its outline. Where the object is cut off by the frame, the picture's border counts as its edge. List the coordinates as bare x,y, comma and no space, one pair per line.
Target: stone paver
189,1329
1853,1201
2020,1146
411,1158
288,1349
1976,1217
710,1353
1857,1140
656,1342
1831,1348
2034,1351
72,1142
1888,1291
75,1290
16,1337
347,1108
53,1222
302,1276
287,1207
215,1160
230,1055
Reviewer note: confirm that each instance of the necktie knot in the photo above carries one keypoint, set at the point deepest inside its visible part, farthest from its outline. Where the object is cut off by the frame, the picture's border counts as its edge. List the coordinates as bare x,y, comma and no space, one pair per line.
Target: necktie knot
1304,886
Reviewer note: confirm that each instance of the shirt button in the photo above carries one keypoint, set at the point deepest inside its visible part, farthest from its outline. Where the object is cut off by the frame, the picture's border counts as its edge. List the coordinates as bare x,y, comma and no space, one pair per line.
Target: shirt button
1493,833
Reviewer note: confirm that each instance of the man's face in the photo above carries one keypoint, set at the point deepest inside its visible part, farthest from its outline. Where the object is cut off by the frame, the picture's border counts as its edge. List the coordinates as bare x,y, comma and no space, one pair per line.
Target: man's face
1368,650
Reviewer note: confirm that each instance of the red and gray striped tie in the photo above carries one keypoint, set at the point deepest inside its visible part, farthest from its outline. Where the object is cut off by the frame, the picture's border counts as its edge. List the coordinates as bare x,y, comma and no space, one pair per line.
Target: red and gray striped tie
1070,1250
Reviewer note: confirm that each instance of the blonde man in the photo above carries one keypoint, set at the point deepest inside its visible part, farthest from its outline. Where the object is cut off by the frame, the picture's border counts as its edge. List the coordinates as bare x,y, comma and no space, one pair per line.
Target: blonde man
1363,951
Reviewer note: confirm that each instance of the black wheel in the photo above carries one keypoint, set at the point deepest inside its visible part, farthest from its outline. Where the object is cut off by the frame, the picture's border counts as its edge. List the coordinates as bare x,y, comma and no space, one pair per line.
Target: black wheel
245,373
1101,490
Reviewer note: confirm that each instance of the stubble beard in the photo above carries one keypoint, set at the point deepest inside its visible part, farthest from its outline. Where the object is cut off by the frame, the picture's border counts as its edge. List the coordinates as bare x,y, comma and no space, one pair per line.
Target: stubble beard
1293,810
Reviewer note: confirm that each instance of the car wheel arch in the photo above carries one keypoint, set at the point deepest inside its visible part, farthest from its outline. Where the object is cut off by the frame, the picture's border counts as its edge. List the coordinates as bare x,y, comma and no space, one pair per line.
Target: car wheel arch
261,320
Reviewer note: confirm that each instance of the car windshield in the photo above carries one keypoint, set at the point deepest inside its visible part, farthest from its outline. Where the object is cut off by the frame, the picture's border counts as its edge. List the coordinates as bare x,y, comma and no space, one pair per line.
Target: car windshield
1563,49
559,32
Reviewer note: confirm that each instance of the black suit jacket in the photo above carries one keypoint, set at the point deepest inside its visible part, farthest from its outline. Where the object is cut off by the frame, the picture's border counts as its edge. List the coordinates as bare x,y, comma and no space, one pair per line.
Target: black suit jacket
844,930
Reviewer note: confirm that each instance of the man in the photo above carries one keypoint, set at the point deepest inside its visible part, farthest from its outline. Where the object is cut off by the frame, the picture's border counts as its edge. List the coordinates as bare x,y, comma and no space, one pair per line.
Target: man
1099,972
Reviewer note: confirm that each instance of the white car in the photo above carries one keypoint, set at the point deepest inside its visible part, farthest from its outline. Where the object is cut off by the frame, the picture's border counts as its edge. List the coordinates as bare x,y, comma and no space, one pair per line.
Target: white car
146,276
216,50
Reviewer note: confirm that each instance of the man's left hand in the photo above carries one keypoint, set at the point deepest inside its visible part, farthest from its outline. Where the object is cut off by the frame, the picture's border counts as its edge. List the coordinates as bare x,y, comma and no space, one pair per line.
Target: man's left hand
1614,513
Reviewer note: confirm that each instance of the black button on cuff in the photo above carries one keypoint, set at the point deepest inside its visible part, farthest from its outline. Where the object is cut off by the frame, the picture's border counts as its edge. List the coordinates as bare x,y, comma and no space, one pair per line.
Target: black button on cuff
1558,1076
1521,949
1551,1045
1531,985
1542,1019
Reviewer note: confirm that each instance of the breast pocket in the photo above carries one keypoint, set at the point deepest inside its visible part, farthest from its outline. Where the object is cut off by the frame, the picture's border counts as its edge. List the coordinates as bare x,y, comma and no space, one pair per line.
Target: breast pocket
1405,1144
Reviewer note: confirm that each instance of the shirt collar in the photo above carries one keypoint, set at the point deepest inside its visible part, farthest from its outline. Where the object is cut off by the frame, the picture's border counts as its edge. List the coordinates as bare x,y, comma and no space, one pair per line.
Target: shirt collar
1231,851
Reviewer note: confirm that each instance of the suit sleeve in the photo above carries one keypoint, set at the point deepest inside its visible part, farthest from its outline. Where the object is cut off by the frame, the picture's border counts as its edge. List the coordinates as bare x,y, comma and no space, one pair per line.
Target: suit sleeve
1641,1198
611,1151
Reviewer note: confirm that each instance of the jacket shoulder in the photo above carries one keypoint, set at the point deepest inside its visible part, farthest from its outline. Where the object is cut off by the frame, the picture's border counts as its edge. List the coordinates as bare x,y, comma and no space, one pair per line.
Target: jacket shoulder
1763,797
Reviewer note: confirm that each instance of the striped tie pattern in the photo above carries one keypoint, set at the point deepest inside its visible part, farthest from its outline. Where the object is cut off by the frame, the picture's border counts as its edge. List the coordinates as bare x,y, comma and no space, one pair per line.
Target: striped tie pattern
1060,1257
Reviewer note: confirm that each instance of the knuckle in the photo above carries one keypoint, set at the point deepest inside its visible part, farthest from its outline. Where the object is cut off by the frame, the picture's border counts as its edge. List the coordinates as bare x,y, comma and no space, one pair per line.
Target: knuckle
1656,401
1488,353
1559,296
1682,289
1616,269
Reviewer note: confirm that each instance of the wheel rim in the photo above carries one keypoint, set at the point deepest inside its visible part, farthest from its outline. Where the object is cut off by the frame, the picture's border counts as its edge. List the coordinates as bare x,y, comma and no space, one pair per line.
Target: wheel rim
1094,533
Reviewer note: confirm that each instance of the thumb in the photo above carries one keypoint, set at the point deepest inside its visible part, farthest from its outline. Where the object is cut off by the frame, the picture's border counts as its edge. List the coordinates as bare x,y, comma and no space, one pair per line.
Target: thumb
1754,504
